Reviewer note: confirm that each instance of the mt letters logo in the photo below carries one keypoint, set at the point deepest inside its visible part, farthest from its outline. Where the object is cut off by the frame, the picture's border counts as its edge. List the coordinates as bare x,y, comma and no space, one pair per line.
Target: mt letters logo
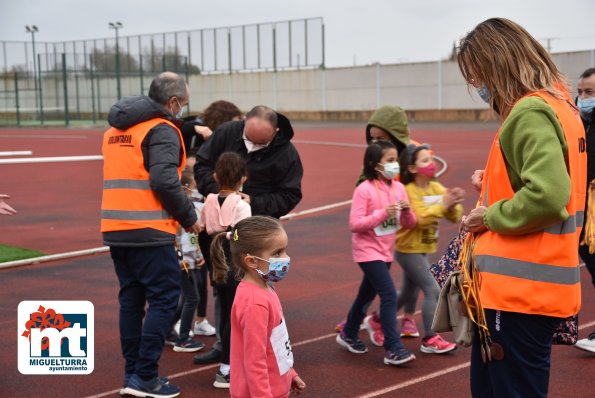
56,337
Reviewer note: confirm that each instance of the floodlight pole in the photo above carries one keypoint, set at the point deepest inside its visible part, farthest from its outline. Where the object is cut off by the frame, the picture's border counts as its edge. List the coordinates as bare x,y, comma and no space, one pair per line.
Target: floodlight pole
116,26
33,29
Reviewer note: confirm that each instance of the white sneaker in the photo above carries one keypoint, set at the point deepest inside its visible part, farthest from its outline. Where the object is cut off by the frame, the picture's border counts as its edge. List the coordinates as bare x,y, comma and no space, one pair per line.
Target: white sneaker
177,329
204,328
587,344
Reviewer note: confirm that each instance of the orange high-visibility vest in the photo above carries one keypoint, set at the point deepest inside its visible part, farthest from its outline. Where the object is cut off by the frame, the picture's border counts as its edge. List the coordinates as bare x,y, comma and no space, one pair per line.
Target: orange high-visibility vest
128,201
535,273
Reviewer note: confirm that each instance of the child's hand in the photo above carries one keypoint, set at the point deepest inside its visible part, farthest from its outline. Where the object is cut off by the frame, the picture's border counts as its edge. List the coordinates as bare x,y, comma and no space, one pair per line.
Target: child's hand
403,205
297,385
200,262
392,209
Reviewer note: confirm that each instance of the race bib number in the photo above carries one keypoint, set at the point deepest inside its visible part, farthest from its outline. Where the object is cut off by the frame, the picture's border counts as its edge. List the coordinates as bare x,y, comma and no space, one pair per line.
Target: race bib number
282,347
388,226
431,200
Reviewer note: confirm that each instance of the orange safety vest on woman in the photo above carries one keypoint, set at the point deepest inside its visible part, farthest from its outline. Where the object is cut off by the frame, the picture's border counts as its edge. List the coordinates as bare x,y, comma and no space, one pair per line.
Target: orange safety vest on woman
128,201
535,273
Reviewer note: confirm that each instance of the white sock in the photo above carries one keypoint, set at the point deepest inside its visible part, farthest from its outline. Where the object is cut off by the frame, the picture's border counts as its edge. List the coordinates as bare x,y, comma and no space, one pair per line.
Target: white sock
224,369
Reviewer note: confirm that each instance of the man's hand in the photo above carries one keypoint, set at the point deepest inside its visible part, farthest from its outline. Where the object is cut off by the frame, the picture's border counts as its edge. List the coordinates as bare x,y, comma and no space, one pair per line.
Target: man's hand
203,131
194,228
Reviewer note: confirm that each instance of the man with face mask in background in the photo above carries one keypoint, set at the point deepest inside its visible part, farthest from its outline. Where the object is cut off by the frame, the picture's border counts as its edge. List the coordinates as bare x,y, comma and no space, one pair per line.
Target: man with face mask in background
586,103
142,207
275,172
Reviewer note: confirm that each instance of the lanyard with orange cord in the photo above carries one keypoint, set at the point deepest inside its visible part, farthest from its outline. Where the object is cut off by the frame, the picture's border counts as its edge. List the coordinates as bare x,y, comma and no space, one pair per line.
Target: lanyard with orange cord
469,283
589,233
182,261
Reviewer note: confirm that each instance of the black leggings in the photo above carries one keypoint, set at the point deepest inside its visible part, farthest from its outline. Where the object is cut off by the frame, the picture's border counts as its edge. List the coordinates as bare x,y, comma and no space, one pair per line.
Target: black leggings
226,295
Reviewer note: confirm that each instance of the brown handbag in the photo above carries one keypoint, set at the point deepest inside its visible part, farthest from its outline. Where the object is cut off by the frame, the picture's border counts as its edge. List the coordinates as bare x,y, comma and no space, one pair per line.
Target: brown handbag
450,312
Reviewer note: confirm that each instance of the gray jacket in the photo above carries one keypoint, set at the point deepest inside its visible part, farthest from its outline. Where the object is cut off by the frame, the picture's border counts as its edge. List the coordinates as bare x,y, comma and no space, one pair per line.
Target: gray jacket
163,154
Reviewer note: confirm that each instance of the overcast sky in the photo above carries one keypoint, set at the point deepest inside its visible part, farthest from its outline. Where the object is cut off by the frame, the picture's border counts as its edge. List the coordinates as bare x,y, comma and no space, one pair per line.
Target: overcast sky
361,32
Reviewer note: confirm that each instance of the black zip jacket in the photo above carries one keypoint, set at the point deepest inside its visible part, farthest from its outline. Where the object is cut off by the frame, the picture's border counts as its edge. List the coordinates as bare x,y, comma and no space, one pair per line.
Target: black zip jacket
274,173
163,154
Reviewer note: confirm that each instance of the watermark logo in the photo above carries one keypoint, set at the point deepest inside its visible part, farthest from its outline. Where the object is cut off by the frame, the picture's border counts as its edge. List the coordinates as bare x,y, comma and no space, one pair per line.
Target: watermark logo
56,337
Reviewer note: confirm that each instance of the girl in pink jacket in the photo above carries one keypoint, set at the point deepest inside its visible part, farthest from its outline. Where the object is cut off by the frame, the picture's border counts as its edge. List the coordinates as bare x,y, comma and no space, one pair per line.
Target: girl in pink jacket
261,355
379,208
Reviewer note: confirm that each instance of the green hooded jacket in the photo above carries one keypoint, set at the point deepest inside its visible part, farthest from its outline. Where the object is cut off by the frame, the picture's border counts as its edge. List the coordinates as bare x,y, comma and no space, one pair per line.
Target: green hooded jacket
393,120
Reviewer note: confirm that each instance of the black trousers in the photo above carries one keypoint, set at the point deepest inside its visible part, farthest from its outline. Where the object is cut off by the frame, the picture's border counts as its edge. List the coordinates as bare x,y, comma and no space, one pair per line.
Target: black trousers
524,372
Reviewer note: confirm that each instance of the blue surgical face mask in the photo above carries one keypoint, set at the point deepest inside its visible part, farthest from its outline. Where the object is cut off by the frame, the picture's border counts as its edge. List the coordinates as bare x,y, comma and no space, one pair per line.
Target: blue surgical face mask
391,170
585,106
278,268
484,93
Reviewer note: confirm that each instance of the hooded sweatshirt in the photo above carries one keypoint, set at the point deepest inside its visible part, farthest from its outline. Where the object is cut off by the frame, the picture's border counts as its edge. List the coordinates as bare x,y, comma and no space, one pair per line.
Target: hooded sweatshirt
163,154
217,218
274,172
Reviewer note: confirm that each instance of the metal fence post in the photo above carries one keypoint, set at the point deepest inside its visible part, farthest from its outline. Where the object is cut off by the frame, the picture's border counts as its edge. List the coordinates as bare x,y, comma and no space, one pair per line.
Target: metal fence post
92,95
64,77
16,97
38,77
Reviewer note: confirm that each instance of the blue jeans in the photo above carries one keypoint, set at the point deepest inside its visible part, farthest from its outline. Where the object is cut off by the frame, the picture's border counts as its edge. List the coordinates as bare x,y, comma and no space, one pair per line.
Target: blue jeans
146,275
377,280
525,369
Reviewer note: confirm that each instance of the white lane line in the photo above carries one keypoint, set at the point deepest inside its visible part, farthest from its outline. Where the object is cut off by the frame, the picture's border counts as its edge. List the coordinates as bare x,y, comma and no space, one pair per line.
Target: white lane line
39,136
16,153
51,159
435,374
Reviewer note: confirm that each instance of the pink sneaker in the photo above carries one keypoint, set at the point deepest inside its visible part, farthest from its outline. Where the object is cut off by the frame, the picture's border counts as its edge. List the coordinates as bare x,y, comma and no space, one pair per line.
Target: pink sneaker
372,325
408,328
339,326
436,345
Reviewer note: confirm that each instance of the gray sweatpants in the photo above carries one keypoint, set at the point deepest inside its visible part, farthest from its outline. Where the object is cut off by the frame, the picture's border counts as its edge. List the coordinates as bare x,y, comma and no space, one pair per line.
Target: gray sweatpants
417,276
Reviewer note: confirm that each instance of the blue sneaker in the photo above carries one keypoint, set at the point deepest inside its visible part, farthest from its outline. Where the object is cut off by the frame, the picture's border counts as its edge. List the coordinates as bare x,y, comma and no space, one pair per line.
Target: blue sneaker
188,345
399,357
127,376
355,345
152,388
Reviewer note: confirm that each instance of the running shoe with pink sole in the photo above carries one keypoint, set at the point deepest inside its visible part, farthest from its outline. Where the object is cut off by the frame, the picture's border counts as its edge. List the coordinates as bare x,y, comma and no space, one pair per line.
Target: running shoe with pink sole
436,345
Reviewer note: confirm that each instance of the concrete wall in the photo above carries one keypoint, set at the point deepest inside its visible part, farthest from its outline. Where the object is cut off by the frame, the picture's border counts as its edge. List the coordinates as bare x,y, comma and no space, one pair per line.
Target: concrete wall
428,90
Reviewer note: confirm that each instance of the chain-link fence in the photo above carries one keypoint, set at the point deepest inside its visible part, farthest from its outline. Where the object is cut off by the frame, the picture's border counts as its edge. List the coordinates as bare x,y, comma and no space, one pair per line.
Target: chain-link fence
65,82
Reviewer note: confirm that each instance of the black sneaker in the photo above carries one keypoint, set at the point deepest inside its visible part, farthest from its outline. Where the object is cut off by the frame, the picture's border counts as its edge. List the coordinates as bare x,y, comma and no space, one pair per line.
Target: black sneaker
221,380
188,345
355,346
212,356
151,388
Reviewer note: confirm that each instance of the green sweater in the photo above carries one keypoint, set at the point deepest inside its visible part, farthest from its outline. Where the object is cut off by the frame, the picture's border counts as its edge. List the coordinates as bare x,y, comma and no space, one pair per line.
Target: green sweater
534,149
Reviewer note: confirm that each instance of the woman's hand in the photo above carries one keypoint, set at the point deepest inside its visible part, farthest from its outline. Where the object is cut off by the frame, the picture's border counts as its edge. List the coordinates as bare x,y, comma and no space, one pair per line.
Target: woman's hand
473,222
203,131
477,179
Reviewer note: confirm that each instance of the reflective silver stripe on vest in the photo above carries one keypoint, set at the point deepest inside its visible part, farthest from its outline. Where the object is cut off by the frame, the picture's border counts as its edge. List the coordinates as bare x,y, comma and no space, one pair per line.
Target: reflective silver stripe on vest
126,184
147,215
529,271
569,226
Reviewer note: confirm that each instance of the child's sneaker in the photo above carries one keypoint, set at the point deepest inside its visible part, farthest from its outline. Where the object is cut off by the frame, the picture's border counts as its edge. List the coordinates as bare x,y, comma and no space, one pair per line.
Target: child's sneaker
151,388
339,326
204,328
372,325
171,338
436,345
399,357
408,328
127,376
587,344
221,380
188,345
355,346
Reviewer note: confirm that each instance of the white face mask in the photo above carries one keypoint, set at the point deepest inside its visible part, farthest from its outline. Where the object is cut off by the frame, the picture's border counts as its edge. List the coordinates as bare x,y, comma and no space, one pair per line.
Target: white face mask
391,170
252,147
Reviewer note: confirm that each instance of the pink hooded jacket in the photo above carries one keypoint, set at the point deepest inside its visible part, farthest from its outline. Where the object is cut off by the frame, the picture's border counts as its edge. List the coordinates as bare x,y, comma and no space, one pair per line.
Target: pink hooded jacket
368,211
218,218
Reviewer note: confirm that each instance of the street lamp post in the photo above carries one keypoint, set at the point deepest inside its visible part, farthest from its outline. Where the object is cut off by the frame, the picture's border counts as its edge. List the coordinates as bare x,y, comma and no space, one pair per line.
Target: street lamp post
116,26
33,29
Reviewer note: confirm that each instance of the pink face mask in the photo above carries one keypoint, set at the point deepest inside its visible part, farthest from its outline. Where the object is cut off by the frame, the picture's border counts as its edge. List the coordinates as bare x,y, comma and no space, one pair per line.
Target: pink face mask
429,170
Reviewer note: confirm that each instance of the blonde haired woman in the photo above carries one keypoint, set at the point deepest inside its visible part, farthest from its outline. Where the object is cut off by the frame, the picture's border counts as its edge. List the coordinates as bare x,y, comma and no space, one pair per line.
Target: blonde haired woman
532,196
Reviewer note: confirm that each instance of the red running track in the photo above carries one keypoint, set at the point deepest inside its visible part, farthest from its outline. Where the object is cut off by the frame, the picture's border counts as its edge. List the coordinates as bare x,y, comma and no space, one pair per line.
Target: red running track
58,206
